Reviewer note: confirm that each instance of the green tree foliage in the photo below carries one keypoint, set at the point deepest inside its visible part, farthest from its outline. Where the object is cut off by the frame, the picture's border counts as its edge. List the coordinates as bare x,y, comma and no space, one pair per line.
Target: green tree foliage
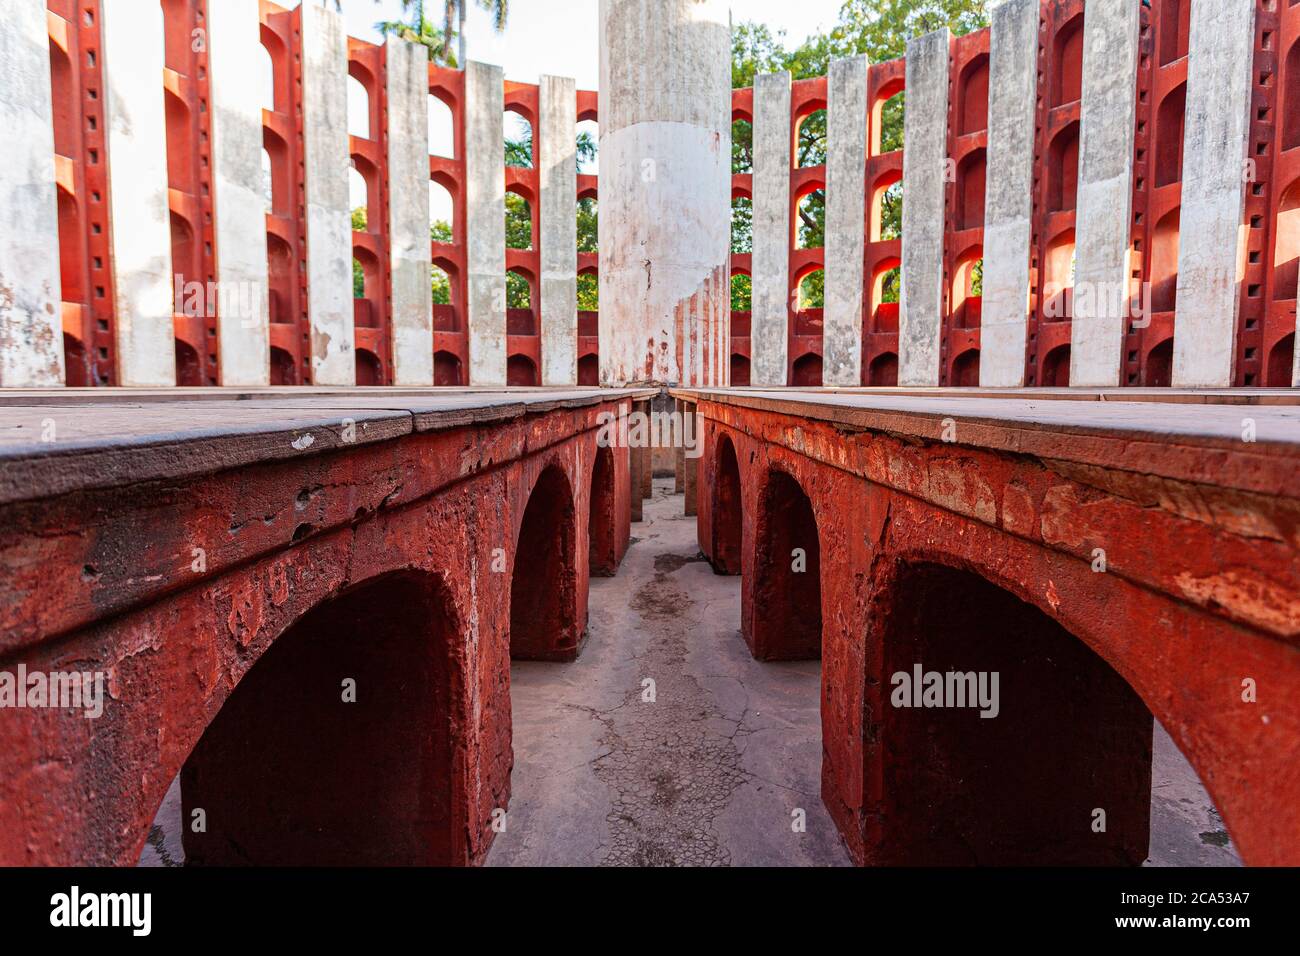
418,26
878,28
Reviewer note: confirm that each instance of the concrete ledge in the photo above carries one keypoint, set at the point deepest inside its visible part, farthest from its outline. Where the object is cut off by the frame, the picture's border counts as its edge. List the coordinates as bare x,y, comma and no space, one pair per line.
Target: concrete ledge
104,444
1199,443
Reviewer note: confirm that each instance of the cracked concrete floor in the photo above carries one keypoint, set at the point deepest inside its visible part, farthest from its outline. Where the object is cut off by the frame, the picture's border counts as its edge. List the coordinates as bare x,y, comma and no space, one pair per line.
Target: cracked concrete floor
711,772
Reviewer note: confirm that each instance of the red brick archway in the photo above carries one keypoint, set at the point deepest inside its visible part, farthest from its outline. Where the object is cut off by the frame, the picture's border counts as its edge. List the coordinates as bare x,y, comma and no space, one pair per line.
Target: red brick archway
728,517
787,621
543,590
602,540
336,748
1058,773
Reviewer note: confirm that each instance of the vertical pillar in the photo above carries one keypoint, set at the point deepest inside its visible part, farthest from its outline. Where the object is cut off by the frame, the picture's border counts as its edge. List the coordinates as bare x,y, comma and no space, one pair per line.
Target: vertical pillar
239,207
329,220
557,150
679,458
690,478
769,334
665,167
140,234
1009,195
1212,246
925,162
31,340
1103,263
407,68
637,463
485,191
846,171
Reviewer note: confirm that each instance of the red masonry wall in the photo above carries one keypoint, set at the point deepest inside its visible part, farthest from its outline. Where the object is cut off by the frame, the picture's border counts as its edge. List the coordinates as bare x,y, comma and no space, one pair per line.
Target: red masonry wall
82,174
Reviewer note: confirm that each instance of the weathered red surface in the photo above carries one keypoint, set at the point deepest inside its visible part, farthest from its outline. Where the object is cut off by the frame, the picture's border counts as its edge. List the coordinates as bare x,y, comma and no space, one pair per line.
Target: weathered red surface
389,564
979,555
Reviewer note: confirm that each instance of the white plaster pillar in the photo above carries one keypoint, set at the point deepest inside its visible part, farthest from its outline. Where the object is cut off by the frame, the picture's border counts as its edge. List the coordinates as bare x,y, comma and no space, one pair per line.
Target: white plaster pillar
408,212
239,206
846,170
485,177
329,219
925,154
1103,262
1009,196
665,210
769,335
31,322
1212,235
557,154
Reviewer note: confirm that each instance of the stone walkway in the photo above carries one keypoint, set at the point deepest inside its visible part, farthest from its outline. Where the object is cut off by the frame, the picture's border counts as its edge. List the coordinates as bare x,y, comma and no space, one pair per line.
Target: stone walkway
710,772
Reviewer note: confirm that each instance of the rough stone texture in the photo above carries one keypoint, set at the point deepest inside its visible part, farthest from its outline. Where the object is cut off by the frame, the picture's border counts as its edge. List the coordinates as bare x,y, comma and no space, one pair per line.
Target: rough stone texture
925,152
485,196
557,150
282,538
1020,503
31,340
1105,197
769,336
408,212
329,216
1009,193
239,206
665,185
1212,233
846,167
137,153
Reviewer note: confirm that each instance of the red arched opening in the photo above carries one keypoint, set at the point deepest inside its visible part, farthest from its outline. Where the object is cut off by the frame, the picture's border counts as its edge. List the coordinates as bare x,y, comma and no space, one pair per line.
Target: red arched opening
544,586
602,547
739,371
1160,365
1281,361
1067,78
966,369
1064,734
883,371
1286,236
1291,99
970,191
323,756
786,619
369,371
807,371
1169,136
727,511
283,370
446,369
521,371
1056,368
77,371
1164,263
1063,170
589,371
975,96
189,372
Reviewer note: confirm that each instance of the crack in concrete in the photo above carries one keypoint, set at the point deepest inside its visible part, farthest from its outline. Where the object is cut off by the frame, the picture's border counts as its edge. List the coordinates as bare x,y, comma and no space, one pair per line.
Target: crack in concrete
670,773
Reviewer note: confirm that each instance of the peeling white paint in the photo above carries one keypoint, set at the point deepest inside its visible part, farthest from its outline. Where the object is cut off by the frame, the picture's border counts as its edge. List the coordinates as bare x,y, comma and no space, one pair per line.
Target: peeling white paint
31,340
329,219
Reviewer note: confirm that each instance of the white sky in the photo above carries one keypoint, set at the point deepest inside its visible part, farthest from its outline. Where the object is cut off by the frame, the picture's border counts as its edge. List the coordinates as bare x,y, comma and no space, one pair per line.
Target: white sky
556,37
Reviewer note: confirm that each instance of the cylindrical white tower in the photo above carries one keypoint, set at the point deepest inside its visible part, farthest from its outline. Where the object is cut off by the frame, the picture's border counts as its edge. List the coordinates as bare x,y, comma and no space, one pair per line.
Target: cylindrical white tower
665,191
